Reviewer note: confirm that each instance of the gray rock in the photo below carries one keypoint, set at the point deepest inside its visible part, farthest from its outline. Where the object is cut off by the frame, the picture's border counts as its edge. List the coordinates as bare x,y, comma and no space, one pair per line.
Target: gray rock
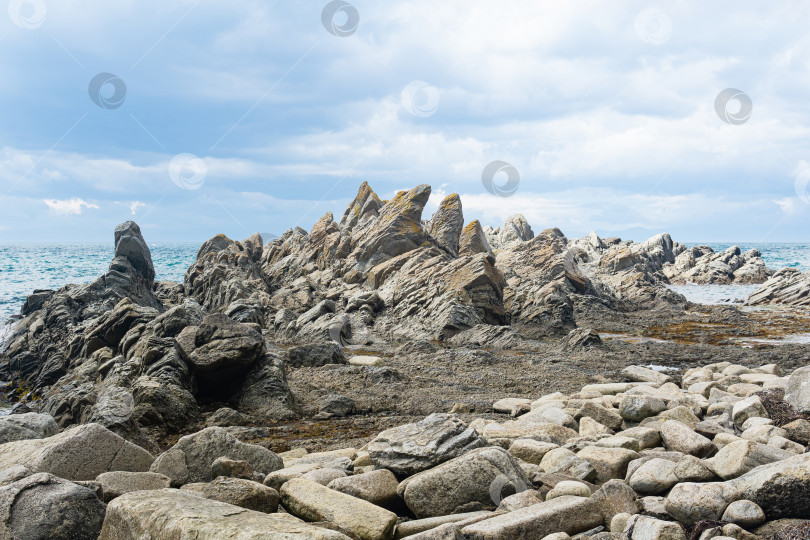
744,513
607,417
650,528
238,492
643,374
477,480
681,438
750,407
563,514
311,501
190,460
797,393
233,468
609,463
473,240
615,497
377,487
18,427
116,483
447,222
44,506
14,473
411,448
129,243
654,477
336,406
637,408
78,453
173,514
741,456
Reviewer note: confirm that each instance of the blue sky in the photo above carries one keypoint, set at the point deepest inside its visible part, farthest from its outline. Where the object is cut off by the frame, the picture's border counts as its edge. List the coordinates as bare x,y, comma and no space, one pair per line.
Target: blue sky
607,110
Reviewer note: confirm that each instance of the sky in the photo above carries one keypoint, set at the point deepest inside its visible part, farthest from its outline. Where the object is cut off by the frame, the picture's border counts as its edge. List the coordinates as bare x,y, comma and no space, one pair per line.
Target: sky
196,117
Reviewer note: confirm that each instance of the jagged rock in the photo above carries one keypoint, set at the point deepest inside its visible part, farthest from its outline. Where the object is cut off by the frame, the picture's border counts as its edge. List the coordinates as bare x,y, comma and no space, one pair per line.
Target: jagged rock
130,244
411,448
581,338
447,222
473,240
172,513
44,506
786,287
477,480
265,392
316,355
191,458
78,453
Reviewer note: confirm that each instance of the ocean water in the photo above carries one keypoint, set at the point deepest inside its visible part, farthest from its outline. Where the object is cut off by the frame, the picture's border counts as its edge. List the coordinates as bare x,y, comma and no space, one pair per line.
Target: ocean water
25,267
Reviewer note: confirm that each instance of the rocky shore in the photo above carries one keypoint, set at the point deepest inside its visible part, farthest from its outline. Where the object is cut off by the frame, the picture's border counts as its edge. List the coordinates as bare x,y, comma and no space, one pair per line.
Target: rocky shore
352,381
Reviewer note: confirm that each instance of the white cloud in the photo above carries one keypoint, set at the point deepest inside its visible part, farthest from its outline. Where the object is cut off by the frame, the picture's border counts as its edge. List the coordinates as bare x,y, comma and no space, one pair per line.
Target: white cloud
73,206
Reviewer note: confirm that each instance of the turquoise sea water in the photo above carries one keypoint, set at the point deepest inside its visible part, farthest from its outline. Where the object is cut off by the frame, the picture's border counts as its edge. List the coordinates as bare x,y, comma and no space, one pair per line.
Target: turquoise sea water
25,267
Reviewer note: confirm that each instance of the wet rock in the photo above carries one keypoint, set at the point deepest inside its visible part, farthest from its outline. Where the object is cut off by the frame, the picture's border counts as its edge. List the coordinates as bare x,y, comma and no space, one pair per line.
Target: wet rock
44,506
411,448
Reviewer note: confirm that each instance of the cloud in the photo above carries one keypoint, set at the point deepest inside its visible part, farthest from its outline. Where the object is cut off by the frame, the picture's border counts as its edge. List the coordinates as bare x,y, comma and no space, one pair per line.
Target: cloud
73,206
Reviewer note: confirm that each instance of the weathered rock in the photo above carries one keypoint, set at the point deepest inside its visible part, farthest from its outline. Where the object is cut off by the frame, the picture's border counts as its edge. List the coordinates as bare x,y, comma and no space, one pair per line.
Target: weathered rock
44,506
690,503
691,469
797,393
608,417
649,528
377,487
637,408
190,460
313,502
654,477
447,222
336,406
478,480
232,468
523,499
473,240
116,483
744,513
411,448
566,488
678,436
18,427
643,374
238,492
615,497
316,355
741,456
750,407
129,243
565,461
566,514
173,514
530,451
609,463
78,453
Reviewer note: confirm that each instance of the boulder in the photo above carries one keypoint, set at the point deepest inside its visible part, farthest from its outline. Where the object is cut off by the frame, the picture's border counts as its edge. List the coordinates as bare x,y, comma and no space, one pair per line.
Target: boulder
569,487
680,437
744,513
649,528
797,393
750,407
643,374
613,498
741,456
637,408
567,514
478,480
447,222
116,483
530,451
654,477
43,506
173,514
18,427
609,463
78,453
377,487
238,492
311,501
316,355
129,243
190,460
411,448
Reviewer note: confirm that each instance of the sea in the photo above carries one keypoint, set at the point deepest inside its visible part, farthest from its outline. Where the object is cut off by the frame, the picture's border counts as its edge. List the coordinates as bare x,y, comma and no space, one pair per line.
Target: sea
25,267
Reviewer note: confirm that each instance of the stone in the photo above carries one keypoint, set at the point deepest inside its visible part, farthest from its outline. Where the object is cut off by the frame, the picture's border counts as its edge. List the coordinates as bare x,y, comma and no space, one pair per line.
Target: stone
129,243
190,460
174,514
563,514
370,361
646,437
507,405
429,528
567,487
741,456
316,355
324,476
750,407
238,492
232,468
654,477
781,488
18,427
589,427
680,437
650,528
608,417
477,480
544,431
522,500
689,502
643,374
411,448
44,506
313,502
14,473
744,513
609,463
615,497
691,469
377,487
78,453
798,431
336,406
564,461
797,393
531,451
637,408
225,416
116,483
447,223
619,522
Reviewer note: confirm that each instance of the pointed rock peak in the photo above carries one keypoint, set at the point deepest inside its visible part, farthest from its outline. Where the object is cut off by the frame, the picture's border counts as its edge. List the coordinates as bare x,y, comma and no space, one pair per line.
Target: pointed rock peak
364,206
324,226
473,240
129,243
516,229
408,203
216,243
447,222
254,244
